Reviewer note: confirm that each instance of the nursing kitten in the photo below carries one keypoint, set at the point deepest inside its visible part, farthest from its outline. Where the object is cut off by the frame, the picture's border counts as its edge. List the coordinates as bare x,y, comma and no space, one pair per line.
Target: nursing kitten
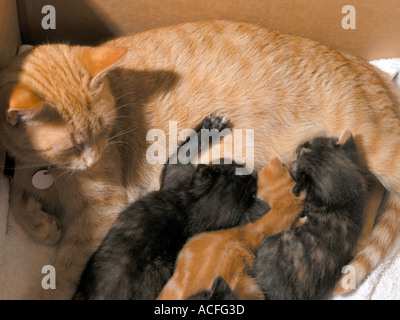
138,255
230,253
68,107
306,261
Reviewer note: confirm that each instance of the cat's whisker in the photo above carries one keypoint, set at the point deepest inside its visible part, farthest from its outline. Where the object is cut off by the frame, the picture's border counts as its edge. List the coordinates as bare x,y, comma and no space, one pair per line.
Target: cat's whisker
117,118
61,174
123,132
124,95
72,172
119,143
117,108
30,166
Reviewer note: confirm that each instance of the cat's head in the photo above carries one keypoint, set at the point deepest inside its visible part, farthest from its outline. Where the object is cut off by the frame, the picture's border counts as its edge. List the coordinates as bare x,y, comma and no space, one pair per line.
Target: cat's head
222,199
275,181
56,105
220,290
328,168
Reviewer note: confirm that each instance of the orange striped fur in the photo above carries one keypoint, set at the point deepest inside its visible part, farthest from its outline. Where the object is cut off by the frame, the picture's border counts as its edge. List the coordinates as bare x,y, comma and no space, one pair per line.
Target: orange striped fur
230,253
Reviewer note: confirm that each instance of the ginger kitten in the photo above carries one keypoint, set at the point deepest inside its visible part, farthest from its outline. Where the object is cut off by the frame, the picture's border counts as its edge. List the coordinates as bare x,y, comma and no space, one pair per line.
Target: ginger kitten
230,253
83,114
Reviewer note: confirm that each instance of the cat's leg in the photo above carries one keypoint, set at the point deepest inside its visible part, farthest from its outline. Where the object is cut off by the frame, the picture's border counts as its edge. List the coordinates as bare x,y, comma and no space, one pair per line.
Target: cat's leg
88,228
28,212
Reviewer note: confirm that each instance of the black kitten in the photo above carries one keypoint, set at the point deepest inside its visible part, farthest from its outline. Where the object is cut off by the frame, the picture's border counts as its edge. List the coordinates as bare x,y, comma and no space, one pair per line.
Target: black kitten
220,290
137,256
305,262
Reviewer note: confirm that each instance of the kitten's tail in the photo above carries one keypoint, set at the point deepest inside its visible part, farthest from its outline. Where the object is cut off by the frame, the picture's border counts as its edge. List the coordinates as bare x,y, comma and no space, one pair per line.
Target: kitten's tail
382,238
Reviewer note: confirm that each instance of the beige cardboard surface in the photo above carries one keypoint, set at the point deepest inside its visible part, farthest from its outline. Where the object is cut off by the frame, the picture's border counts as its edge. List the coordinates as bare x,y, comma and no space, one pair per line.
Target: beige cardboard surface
92,21
9,31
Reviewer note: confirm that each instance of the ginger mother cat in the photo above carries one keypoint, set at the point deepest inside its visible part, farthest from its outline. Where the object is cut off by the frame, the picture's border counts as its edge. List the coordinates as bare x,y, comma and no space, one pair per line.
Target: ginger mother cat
68,108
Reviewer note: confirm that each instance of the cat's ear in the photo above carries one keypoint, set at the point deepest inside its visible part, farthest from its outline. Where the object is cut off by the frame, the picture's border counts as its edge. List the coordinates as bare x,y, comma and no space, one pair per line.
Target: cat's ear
220,288
346,139
256,211
301,184
23,102
99,59
344,136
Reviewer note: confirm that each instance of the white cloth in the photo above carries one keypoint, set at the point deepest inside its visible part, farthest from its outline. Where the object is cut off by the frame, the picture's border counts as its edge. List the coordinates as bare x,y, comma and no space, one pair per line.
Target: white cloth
390,66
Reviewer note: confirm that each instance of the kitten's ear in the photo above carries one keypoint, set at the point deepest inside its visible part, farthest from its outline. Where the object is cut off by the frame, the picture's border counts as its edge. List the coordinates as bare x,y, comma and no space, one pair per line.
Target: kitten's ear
220,288
301,185
256,211
23,102
344,137
99,59
346,140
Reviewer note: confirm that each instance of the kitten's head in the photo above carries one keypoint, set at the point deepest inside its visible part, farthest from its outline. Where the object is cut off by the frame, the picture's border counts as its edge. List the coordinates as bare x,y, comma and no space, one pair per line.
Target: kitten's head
275,183
329,169
57,106
221,199
220,290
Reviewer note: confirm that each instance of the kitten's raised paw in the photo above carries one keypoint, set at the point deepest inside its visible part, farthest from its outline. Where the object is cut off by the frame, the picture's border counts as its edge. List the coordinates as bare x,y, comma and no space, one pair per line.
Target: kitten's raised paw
43,227
215,122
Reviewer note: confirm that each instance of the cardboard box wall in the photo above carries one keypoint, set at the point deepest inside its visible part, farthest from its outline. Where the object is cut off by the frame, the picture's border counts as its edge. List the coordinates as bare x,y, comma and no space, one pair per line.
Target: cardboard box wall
377,33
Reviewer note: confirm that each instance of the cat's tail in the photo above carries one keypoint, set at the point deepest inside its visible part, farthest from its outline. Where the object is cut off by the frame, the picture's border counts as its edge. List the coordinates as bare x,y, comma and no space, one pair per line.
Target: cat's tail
381,240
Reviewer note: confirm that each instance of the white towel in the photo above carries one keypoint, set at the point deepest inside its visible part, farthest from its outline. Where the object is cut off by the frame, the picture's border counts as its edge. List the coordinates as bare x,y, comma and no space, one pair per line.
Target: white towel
390,66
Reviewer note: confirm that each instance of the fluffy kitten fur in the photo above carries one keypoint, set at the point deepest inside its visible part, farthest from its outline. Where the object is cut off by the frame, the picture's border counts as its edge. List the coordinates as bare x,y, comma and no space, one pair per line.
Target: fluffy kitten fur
305,262
137,256
230,253
99,103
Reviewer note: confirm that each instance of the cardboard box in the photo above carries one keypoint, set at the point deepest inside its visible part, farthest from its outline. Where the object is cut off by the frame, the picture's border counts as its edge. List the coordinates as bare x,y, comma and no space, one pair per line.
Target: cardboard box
9,30
376,34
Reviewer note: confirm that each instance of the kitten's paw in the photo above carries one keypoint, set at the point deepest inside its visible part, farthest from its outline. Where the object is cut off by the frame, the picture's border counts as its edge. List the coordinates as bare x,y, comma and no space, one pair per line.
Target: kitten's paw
43,227
215,122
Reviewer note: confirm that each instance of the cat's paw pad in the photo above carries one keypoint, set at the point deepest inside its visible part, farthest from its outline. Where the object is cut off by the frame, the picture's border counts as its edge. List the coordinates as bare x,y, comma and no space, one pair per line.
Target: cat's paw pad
215,122
45,227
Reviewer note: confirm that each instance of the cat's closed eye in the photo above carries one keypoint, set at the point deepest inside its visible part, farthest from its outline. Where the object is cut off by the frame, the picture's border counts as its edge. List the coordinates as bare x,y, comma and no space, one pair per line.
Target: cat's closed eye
75,150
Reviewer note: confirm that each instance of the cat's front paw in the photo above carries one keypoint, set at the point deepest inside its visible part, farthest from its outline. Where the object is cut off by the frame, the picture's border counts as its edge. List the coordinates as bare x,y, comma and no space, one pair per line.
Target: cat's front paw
41,225
215,122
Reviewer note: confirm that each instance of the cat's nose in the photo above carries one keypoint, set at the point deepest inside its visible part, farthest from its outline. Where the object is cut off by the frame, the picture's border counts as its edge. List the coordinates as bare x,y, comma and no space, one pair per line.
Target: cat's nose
92,158
91,162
